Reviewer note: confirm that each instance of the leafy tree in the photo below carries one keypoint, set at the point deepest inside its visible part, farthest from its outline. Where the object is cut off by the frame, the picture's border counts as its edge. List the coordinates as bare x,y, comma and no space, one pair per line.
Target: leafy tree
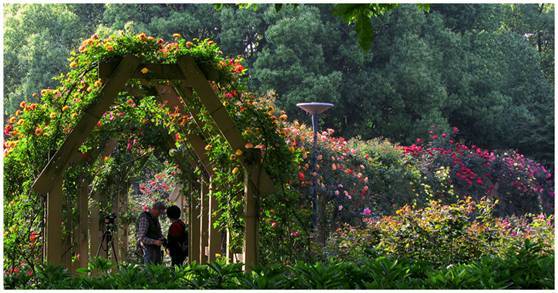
37,42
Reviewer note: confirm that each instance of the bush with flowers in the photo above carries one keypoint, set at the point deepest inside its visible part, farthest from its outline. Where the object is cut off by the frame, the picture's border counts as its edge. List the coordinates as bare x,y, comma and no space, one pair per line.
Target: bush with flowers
443,234
452,169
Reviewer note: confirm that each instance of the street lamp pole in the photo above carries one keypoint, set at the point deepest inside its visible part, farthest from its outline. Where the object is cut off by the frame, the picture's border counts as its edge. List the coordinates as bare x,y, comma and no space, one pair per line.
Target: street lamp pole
314,109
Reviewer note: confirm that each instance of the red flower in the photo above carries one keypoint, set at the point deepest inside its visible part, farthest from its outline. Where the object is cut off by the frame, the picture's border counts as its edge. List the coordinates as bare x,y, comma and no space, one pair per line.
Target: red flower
455,130
33,236
8,129
238,68
300,176
435,136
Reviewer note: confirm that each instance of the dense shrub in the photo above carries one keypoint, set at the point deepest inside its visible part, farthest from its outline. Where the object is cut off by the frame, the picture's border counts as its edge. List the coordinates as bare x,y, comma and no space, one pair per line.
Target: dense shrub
451,170
442,234
525,269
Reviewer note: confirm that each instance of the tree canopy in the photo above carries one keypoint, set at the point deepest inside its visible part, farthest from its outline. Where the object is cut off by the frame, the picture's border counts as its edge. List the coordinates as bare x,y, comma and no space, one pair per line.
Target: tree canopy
487,69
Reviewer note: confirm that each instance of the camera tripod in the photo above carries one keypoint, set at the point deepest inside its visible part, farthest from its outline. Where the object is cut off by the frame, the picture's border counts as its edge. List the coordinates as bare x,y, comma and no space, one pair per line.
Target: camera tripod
107,240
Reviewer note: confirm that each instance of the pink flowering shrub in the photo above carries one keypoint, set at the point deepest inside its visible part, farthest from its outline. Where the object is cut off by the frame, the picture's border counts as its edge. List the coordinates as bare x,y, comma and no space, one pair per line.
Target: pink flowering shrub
521,185
359,179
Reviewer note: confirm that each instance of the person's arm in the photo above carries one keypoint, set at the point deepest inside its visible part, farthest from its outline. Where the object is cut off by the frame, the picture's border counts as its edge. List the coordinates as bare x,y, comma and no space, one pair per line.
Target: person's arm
142,231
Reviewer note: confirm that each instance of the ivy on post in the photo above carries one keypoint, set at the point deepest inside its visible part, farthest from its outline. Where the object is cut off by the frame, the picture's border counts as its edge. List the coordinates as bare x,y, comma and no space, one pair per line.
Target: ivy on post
83,237
204,223
250,221
214,233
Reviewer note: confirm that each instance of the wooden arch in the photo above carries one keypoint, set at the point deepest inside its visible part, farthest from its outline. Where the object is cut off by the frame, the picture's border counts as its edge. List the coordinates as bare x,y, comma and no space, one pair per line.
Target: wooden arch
186,78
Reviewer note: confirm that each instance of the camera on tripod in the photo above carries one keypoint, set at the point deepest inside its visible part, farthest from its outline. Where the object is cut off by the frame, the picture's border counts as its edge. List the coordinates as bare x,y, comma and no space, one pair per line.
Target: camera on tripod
107,241
110,222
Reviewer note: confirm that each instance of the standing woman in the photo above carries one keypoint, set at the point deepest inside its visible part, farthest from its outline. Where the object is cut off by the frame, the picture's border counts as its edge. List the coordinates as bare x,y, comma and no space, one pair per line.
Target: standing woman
177,237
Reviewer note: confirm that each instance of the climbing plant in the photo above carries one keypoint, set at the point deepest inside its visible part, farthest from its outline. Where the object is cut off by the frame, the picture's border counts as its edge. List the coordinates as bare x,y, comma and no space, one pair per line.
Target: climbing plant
144,124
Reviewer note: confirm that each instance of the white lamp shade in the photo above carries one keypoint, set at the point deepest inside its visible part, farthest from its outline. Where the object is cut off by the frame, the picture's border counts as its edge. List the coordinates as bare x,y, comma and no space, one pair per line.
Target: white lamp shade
314,107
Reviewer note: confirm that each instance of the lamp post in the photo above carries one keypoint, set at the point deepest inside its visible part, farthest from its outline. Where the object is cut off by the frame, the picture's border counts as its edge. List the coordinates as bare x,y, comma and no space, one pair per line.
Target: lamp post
314,109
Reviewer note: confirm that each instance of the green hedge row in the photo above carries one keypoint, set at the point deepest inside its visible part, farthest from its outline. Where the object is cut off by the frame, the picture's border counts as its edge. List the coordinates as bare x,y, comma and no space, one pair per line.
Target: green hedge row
525,269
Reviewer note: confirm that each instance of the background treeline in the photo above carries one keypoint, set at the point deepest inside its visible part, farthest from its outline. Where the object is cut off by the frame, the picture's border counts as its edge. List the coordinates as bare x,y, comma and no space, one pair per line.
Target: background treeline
486,69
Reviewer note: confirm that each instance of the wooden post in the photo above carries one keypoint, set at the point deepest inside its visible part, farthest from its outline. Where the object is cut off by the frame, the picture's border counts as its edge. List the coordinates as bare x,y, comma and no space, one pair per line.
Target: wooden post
54,224
204,223
83,208
250,221
229,251
123,208
214,233
194,226
94,224
116,234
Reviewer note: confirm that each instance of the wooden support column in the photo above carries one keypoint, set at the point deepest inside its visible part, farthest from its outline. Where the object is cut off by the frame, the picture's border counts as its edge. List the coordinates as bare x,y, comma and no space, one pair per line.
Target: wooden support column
229,252
214,233
54,224
94,224
250,221
204,223
194,226
83,209
116,234
123,229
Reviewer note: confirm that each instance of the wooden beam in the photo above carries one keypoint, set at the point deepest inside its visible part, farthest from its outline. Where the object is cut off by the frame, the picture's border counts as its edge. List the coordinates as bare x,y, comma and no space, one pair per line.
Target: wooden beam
83,236
154,71
214,233
224,122
95,232
229,251
168,94
123,231
54,224
204,223
115,236
194,243
85,125
250,250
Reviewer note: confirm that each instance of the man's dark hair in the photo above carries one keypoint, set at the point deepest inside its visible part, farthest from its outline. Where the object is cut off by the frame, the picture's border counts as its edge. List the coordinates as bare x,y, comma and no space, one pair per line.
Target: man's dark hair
173,212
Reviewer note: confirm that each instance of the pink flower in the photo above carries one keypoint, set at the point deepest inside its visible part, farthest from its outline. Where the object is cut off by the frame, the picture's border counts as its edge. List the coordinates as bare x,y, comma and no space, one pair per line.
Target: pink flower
435,136
295,234
340,207
366,212
455,130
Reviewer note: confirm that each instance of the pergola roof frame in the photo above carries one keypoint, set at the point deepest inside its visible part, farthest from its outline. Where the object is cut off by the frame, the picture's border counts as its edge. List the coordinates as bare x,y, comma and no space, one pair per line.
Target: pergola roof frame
190,78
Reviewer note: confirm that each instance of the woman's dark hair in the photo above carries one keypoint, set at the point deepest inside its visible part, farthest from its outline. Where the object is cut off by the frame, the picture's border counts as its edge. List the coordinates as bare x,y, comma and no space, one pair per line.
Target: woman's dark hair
173,212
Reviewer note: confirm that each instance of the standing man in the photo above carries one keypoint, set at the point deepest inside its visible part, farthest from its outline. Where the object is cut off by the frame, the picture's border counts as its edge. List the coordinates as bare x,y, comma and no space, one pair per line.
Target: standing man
150,237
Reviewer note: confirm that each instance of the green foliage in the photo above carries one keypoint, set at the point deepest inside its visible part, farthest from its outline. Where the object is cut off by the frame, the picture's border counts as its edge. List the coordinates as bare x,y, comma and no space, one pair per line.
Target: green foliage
525,270
443,235
487,69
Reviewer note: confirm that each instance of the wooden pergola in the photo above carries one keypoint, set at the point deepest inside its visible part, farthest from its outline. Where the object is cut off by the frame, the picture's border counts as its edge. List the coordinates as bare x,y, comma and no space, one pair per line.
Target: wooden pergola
185,78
